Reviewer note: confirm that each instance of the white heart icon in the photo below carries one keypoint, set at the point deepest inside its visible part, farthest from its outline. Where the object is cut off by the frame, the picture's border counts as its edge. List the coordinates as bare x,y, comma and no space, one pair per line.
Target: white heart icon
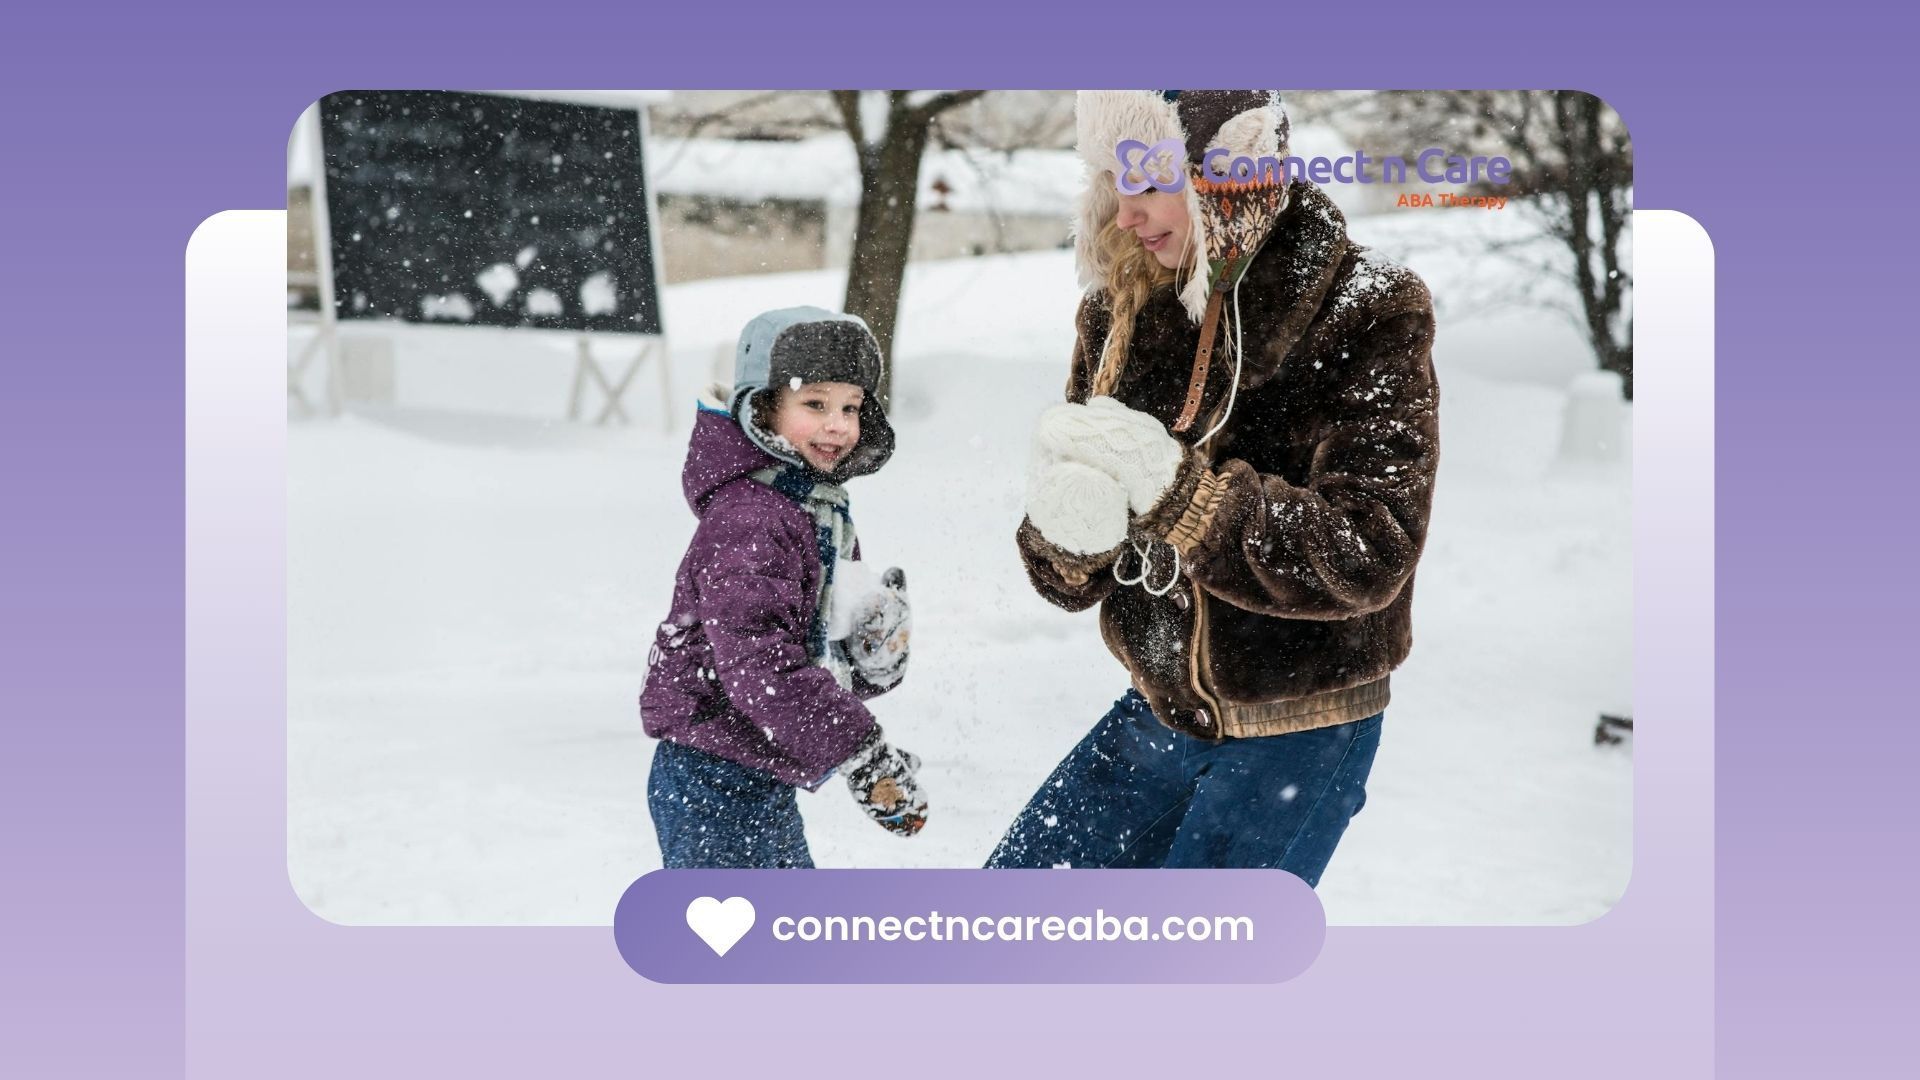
721,924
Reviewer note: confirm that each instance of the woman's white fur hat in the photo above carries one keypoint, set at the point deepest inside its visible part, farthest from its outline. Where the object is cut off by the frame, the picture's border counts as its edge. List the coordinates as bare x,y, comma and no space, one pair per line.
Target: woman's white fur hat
1249,123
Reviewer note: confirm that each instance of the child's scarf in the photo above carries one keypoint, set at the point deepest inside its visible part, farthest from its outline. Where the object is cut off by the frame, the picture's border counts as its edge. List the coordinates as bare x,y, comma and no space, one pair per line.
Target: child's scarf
826,503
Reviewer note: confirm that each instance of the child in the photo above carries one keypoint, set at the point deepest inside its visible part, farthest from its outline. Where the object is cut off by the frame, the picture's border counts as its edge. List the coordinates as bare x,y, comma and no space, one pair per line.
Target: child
777,635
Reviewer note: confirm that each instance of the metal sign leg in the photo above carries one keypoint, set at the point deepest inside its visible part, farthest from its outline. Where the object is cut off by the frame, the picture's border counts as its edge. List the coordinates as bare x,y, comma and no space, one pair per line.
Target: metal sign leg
613,391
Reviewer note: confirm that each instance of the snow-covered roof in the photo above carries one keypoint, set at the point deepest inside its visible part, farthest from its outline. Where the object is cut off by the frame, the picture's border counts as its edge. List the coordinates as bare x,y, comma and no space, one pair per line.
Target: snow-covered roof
824,168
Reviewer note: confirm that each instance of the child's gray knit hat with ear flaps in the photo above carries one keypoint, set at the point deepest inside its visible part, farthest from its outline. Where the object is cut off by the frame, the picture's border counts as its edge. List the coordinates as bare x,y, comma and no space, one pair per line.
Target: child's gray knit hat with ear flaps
798,345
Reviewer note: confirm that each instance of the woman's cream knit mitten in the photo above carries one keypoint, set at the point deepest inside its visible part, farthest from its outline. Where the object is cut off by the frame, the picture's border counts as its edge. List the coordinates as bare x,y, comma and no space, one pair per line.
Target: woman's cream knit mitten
1076,507
1125,444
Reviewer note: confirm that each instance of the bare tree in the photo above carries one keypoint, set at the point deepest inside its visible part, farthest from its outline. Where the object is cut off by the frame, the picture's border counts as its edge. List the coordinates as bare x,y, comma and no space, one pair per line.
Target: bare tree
1571,161
749,115
1573,152
890,130
1008,121
1024,120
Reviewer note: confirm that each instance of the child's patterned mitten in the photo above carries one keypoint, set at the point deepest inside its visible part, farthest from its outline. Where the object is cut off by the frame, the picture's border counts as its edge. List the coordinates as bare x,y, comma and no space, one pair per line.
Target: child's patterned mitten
882,781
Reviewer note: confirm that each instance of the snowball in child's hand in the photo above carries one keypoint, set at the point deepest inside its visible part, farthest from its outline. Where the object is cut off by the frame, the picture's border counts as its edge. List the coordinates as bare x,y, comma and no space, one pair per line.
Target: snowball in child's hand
856,591
1078,508
869,615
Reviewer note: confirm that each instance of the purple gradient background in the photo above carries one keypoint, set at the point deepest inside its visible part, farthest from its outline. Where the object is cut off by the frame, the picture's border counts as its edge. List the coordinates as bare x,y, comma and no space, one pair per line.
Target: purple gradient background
125,129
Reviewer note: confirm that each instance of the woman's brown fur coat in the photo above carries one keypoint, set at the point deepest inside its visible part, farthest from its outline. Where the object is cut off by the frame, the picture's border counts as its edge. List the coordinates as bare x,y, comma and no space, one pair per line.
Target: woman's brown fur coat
1300,523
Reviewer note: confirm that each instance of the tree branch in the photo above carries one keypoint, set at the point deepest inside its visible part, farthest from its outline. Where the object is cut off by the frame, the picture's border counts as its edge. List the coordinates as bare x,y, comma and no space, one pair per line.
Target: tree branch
940,103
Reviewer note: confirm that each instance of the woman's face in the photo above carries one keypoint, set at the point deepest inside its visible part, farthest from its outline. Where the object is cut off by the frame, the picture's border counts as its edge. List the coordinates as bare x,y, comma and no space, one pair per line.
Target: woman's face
821,420
1160,221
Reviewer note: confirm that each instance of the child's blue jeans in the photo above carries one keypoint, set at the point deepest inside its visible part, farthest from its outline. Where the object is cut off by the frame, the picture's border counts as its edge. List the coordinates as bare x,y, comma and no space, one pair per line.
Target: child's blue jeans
711,813
1135,793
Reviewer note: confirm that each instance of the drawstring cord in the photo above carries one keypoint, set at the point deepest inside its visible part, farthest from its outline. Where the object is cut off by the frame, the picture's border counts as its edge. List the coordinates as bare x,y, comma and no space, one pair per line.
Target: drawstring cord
1239,348
1146,568
1233,390
1143,566
1146,554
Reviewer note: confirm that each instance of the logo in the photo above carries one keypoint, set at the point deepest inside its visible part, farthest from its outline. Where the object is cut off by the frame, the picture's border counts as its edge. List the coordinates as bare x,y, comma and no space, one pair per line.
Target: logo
1162,166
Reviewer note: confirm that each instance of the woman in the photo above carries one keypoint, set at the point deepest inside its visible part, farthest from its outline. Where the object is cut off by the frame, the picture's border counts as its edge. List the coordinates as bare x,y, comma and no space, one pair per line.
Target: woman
1241,479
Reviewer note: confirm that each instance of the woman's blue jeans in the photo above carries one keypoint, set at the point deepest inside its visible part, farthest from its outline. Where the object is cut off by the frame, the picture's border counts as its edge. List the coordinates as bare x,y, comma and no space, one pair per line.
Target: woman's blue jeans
1135,793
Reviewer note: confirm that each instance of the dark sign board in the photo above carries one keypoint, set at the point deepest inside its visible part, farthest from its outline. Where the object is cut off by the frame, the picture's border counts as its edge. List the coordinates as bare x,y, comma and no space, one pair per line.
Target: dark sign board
485,210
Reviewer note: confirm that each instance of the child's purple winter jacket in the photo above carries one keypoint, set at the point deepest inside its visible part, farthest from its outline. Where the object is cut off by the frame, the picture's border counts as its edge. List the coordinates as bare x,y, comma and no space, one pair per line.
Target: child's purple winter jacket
729,672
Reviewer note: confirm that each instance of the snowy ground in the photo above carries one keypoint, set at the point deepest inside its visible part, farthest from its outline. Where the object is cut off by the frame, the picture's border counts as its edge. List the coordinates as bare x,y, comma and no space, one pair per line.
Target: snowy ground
472,588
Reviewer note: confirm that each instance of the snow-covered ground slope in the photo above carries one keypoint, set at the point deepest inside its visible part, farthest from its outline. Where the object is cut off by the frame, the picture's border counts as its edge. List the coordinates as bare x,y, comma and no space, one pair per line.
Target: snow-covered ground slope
473,585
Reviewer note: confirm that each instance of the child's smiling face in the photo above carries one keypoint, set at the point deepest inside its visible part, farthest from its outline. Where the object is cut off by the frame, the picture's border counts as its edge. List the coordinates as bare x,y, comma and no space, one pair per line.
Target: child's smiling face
821,420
